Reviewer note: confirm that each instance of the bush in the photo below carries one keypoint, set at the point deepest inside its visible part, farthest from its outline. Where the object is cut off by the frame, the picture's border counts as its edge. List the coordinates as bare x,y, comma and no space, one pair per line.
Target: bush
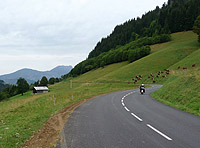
3,96
138,53
52,80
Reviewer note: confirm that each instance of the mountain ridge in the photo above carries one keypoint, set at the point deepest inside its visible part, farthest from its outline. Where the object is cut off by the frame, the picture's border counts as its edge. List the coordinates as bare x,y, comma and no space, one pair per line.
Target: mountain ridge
32,75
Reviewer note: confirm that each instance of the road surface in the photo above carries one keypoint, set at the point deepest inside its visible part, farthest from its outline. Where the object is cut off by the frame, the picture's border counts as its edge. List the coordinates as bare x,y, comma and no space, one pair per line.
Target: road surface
128,119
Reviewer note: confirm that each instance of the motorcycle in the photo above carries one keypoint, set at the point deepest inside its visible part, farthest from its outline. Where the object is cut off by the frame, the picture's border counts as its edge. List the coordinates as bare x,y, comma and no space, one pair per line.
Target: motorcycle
142,91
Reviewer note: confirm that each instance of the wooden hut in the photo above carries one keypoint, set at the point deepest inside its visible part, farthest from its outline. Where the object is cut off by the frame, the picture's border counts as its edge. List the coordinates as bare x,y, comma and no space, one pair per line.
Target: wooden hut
40,89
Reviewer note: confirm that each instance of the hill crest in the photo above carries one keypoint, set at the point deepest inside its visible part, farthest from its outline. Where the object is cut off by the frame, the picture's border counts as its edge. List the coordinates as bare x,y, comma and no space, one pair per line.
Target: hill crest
34,75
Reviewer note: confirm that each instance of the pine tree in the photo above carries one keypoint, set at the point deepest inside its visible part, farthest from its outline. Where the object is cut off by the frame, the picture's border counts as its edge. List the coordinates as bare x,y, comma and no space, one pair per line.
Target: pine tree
22,86
44,81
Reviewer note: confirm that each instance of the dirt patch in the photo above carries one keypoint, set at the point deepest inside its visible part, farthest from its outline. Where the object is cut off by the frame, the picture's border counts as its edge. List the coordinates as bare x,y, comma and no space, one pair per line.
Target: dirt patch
48,135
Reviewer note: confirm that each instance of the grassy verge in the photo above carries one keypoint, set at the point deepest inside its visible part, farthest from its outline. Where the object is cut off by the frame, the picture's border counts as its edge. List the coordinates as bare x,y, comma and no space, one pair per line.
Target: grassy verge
181,93
182,89
21,116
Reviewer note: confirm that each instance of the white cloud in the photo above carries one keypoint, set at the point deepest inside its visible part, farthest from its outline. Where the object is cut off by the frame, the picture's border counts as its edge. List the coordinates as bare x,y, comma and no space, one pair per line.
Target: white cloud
60,27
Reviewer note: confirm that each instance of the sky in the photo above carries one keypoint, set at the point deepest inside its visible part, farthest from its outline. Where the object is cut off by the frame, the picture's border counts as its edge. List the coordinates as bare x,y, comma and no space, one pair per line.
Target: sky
42,34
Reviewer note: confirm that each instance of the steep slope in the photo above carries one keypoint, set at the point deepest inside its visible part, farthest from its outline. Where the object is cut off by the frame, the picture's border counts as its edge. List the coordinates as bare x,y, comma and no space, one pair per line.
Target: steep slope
162,57
34,75
183,87
174,16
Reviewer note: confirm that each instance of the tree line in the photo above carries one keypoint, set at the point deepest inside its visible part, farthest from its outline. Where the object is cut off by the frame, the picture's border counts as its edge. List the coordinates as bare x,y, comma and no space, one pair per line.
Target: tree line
173,16
129,52
3,85
22,86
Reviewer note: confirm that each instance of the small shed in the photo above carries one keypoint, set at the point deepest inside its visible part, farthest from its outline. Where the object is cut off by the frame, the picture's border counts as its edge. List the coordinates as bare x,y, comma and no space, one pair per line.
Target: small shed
40,89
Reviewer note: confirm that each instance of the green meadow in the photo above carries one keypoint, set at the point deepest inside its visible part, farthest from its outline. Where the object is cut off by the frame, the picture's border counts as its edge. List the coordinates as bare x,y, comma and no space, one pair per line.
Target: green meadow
182,89
21,116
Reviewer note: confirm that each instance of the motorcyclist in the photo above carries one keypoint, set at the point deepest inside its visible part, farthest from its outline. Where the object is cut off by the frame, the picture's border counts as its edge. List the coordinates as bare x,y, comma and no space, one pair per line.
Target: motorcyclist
142,87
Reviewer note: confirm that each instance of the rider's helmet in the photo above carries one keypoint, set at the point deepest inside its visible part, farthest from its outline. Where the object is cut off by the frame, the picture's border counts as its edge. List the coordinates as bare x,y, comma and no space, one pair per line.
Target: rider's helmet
142,84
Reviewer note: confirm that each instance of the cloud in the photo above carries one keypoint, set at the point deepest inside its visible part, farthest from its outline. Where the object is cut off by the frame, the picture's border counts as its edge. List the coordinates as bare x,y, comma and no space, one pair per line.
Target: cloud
60,27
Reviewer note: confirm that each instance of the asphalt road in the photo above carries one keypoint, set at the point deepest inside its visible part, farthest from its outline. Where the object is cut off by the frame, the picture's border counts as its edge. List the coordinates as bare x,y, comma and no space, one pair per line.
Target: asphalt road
128,119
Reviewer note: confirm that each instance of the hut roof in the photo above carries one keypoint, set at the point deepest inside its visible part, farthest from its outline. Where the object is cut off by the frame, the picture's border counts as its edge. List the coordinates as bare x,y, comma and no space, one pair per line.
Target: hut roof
41,88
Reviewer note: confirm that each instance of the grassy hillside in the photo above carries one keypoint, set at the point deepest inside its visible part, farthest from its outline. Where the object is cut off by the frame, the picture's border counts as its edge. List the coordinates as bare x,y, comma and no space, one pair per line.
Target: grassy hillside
183,87
21,116
163,56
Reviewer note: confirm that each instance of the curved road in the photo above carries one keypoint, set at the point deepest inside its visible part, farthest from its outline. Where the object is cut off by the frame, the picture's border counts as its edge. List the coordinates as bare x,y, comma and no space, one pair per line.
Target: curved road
127,119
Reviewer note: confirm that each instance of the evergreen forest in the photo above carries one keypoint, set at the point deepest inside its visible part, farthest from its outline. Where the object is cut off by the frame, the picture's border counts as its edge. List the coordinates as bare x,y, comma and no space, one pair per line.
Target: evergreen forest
130,40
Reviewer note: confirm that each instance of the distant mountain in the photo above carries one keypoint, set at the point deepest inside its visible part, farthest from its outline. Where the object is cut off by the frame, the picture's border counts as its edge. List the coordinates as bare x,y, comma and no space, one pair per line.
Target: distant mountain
3,85
32,76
